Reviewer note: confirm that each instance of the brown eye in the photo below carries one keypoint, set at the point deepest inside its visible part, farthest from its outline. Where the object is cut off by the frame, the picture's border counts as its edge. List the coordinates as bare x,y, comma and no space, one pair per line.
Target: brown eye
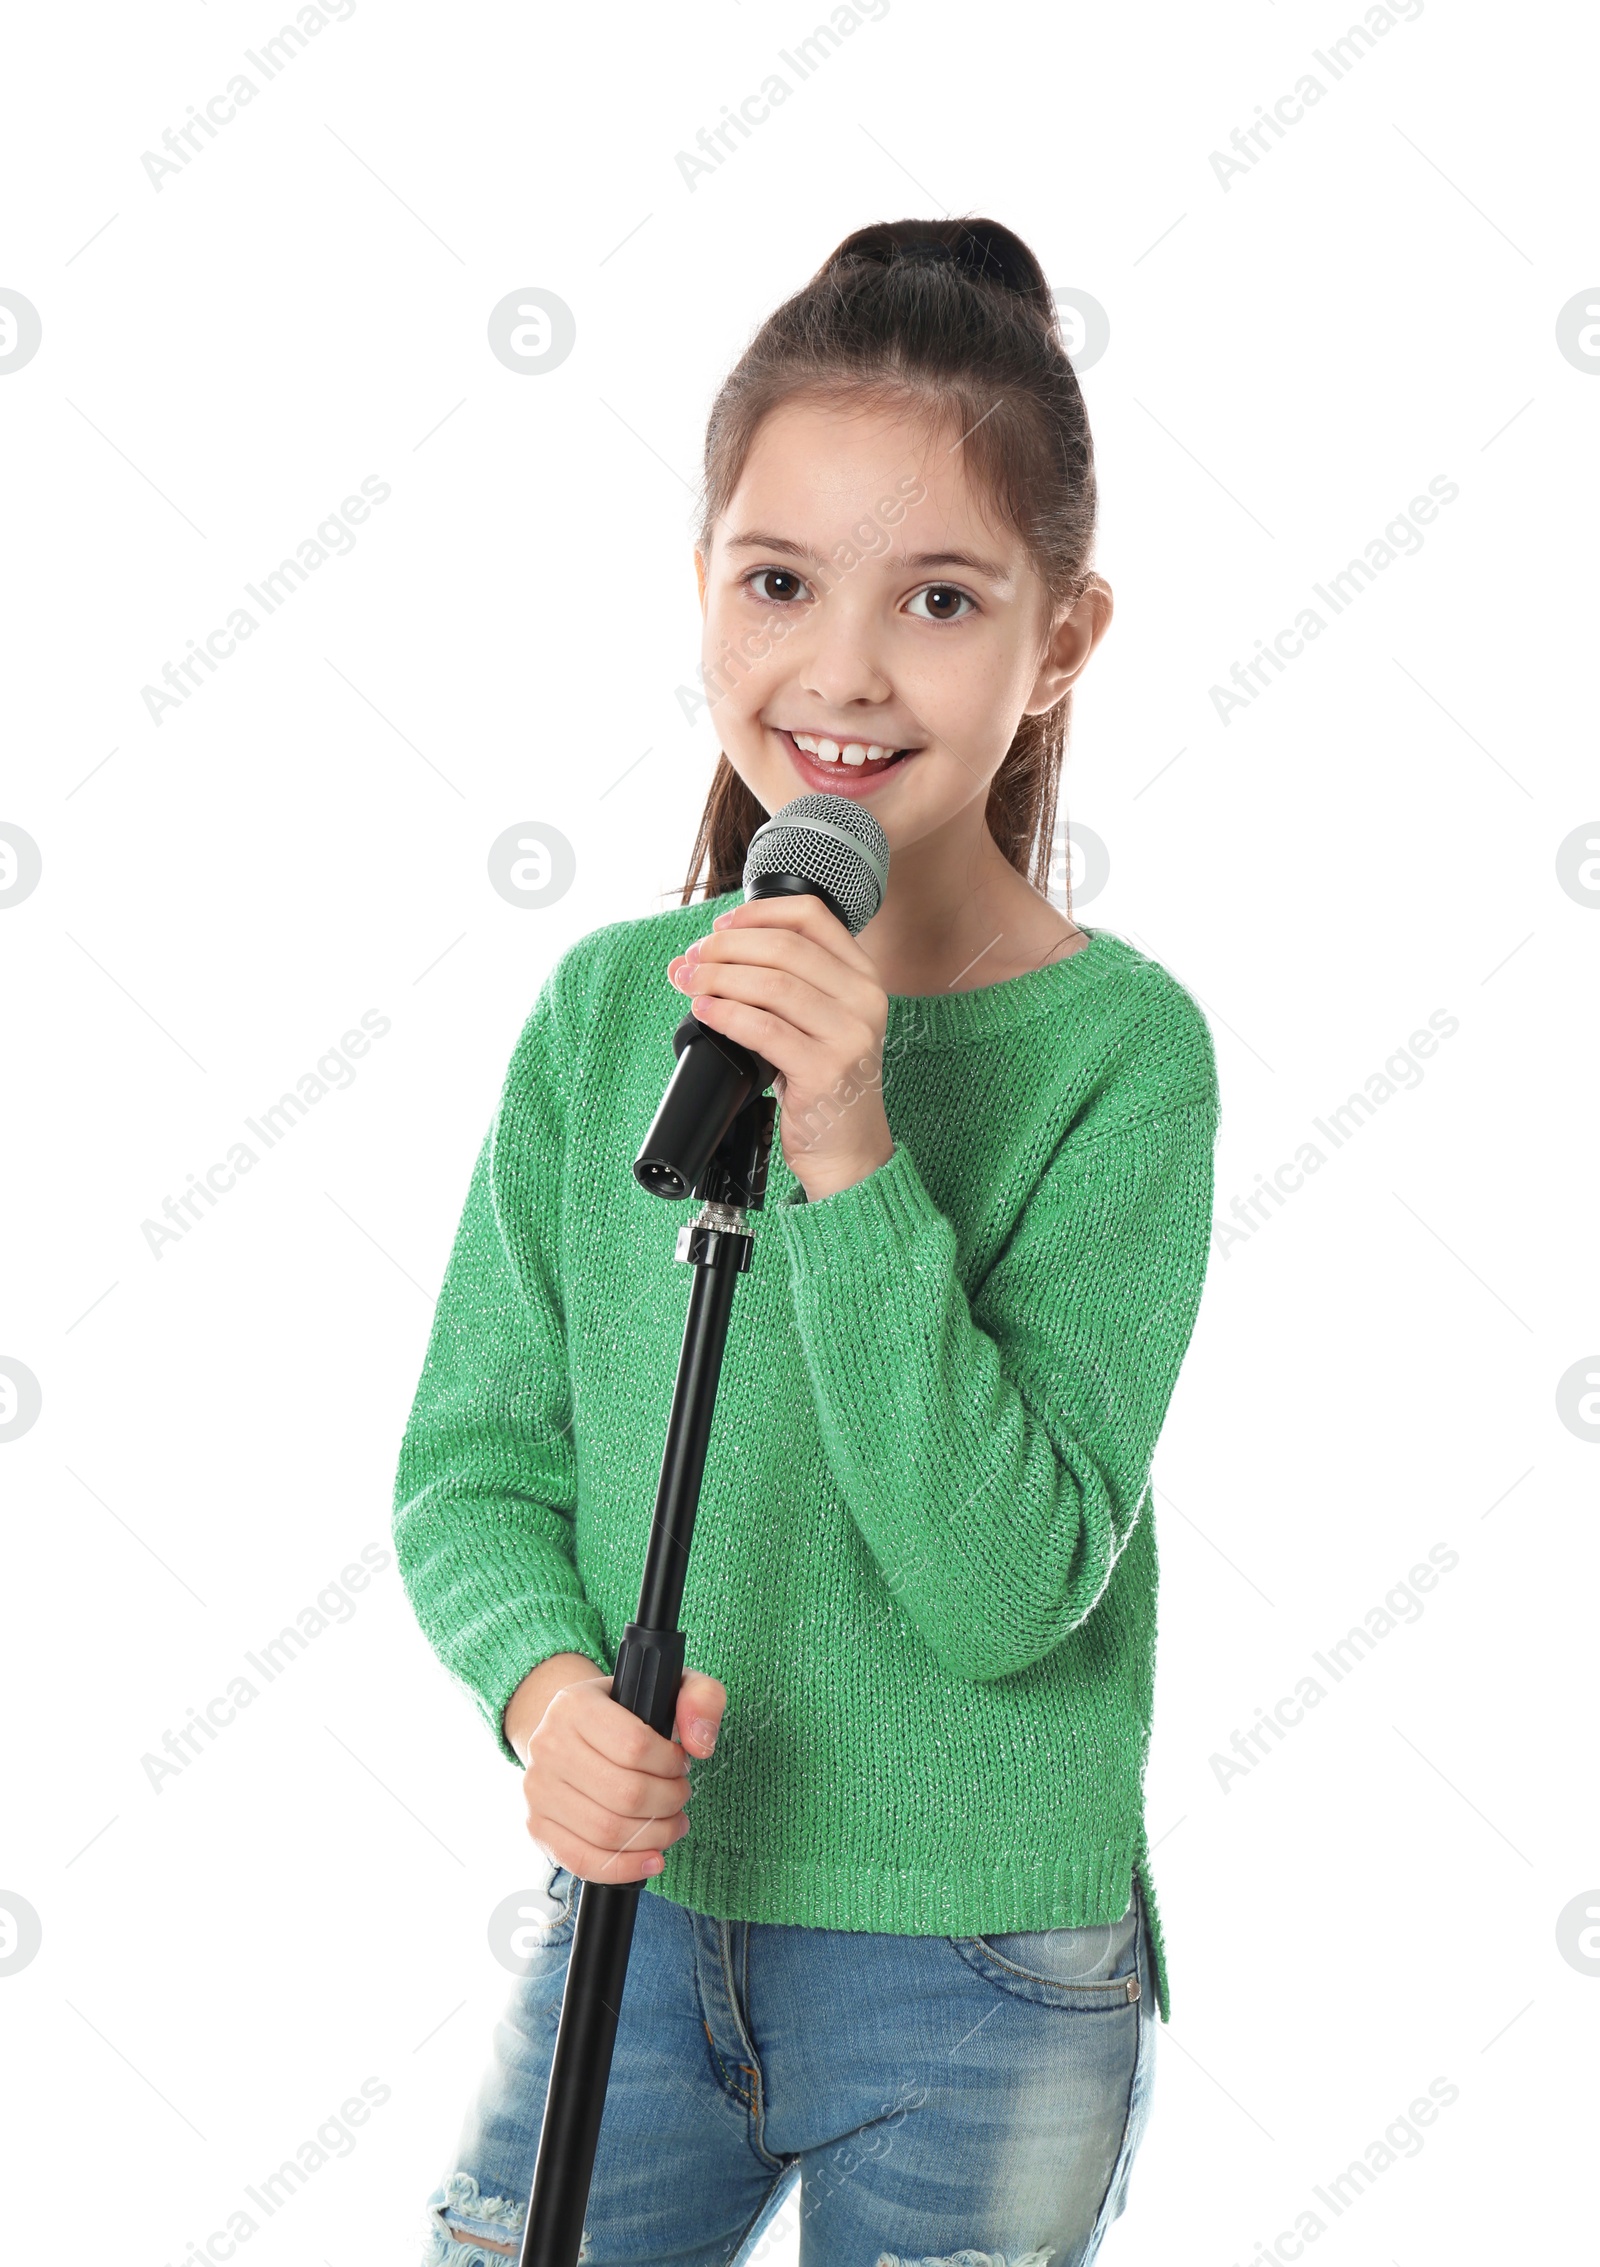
942,599
777,574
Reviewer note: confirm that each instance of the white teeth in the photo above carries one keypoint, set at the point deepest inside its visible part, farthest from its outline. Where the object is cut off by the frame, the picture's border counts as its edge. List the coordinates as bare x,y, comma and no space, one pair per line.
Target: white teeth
850,752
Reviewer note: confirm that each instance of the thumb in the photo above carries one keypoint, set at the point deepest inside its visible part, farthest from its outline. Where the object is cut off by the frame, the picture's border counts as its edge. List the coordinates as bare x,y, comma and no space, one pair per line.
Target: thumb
701,1700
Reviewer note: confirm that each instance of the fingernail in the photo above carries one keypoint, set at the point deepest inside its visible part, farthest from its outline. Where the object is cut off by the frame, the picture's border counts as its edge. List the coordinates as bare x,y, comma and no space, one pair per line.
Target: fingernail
722,920
704,1732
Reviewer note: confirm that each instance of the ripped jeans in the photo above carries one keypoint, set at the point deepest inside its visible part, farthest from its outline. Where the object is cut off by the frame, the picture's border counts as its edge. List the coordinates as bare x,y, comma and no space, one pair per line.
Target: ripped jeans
941,2101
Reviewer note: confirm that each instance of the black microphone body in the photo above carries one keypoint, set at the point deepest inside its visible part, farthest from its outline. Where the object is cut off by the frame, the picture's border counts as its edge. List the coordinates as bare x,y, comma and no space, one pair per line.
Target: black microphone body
817,846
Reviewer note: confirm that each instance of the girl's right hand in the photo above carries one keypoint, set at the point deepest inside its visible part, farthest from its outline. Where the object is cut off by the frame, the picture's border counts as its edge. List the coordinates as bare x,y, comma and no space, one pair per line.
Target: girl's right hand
605,1794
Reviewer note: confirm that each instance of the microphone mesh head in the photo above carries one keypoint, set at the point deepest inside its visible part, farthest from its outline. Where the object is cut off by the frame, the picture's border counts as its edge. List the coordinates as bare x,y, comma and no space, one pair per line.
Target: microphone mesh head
832,841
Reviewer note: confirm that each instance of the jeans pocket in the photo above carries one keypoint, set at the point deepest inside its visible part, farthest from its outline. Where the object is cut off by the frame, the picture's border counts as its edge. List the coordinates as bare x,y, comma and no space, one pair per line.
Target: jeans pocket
563,1892
540,1931
1092,1970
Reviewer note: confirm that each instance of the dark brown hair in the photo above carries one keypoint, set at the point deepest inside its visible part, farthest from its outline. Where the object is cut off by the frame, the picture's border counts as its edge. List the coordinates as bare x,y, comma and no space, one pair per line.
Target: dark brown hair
954,320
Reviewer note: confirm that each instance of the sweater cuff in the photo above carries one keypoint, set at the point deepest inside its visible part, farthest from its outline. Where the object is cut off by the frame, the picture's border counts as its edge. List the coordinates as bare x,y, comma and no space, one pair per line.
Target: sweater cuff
497,1649
873,1218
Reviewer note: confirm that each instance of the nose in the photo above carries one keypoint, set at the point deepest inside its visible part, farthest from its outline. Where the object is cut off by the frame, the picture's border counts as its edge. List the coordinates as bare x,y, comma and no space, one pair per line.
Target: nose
838,661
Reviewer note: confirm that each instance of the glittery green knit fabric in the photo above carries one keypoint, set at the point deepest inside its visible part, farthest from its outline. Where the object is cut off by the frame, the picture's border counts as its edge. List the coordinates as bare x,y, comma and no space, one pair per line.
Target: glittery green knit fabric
924,1563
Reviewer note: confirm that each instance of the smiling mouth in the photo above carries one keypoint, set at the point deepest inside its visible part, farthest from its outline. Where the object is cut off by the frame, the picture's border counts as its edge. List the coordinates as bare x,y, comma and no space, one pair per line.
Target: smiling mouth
845,755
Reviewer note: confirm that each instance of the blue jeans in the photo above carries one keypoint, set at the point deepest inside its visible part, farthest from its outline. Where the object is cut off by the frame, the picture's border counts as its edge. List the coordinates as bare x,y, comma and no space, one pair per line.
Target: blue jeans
971,2101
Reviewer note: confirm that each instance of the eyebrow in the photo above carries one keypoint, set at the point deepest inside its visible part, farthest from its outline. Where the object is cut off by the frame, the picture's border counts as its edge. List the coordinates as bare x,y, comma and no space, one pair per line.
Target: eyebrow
754,540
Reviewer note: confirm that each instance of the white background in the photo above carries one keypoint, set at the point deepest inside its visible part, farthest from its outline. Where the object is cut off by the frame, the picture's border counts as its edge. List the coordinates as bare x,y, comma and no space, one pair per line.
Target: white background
1292,357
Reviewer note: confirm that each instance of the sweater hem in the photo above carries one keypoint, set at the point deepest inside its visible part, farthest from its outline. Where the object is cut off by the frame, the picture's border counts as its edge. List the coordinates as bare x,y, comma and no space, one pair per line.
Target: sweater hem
966,1896
980,1896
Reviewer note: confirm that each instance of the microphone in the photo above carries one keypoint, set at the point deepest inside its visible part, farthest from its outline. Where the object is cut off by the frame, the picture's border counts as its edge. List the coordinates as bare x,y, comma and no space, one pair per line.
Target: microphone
820,845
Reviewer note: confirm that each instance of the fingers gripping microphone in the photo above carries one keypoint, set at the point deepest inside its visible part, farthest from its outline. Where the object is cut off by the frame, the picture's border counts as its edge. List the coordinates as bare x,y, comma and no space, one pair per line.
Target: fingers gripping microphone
826,846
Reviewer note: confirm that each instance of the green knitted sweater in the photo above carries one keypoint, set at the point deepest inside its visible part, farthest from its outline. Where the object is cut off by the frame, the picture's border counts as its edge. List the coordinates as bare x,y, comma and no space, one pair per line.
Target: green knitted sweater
924,1563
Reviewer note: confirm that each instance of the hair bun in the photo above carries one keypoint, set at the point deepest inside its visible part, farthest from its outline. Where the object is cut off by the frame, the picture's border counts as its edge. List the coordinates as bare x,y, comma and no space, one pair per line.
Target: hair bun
983,249
924,248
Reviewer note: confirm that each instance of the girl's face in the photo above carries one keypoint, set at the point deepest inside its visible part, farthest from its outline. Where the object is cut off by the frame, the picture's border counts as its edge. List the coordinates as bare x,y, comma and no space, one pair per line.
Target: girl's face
860,601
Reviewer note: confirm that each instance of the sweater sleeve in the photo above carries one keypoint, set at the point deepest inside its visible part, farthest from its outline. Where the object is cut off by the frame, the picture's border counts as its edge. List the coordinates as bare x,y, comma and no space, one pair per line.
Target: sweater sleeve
995,1453
485,1487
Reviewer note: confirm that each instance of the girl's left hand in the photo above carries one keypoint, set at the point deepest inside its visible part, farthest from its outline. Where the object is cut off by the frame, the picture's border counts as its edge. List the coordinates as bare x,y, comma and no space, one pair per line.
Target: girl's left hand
784,977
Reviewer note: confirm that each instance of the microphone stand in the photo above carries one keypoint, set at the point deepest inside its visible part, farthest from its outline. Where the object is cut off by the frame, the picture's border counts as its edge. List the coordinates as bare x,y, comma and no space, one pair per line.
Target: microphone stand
717,1244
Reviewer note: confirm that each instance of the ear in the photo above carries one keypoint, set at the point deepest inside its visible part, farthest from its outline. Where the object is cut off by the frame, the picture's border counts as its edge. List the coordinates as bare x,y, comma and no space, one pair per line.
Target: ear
1073,638
700,575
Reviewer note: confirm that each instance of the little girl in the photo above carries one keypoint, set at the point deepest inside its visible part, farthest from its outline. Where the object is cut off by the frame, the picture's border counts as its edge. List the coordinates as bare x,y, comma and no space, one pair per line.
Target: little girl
907,1952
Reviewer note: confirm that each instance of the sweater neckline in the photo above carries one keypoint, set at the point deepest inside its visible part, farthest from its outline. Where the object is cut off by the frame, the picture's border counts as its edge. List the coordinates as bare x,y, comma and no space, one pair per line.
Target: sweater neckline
934,1019
941,1019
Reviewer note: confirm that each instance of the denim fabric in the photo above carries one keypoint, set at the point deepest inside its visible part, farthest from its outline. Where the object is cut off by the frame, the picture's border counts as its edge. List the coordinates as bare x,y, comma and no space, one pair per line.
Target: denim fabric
972,2100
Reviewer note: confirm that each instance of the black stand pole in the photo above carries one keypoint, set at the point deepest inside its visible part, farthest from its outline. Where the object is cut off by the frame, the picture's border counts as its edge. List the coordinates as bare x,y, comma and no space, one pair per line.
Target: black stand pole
649,1670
